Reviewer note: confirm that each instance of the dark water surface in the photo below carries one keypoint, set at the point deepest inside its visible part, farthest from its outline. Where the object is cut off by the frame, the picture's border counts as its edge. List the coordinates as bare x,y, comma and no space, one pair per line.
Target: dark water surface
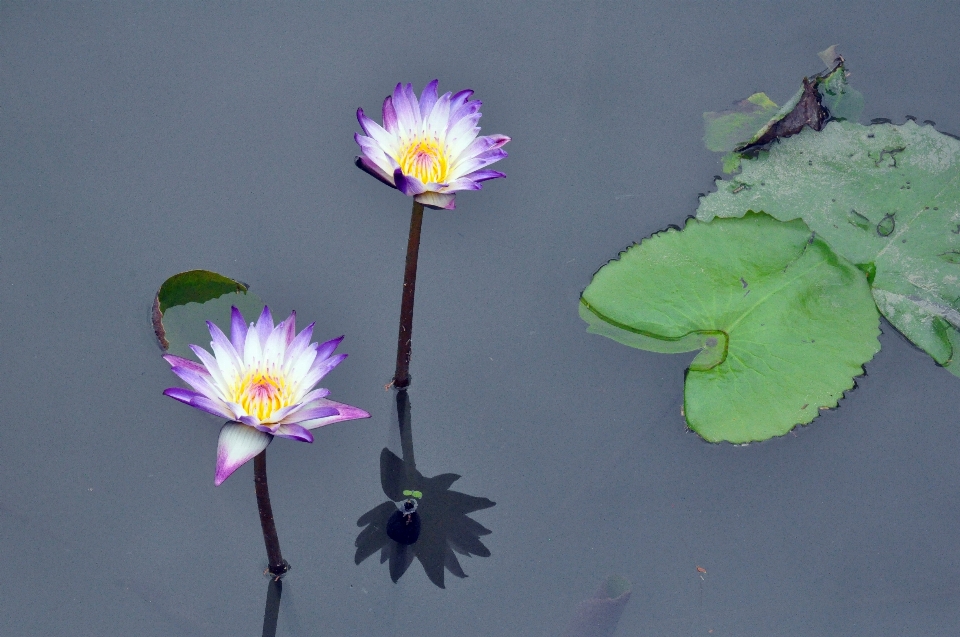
138,140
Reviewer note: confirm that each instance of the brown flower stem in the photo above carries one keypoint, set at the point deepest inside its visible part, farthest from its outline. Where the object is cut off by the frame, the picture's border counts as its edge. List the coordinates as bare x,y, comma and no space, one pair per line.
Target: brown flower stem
277,566
401,379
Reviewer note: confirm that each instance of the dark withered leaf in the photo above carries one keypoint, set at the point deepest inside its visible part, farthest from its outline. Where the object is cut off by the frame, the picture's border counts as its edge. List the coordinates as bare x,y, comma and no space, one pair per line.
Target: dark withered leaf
807,111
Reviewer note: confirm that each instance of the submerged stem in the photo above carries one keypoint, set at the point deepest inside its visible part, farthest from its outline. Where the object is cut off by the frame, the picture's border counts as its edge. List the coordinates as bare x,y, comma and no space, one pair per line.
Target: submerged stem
401,379
277,565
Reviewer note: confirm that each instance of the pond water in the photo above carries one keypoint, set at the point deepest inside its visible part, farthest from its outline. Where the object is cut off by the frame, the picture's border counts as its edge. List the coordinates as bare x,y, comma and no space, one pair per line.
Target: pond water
141,140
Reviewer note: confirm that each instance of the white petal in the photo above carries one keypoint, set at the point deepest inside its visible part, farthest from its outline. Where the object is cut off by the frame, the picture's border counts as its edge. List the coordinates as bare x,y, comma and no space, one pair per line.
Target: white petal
238,444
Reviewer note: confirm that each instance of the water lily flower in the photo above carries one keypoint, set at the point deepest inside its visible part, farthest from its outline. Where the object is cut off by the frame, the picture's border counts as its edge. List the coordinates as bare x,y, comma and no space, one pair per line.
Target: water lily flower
429,149
262,379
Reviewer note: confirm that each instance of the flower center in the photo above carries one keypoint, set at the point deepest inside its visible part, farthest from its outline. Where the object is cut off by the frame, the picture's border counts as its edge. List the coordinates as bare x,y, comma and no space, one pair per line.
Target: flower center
261,394
424,159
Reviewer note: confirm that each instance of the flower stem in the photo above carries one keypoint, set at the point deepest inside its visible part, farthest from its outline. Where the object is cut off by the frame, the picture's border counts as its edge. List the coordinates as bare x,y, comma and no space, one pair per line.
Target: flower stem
277,565
401,379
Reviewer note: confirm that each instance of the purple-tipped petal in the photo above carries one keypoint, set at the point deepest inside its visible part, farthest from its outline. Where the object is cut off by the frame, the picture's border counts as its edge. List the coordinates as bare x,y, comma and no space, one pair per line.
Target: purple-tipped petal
289,328
320,368
459,99
211,365
377,135
299,344
373,170
264,326
238,330
181,394
293,432
409,186
250,421
408,110
344,412
276,347
310,413
280,414
389,115
176,361
443,201
481,145
463,183
480,161
198,401
227,357
462,133
316,394
200,381
428,98
237,444
297,368
365,122
484,175
376,153
325,349
436,122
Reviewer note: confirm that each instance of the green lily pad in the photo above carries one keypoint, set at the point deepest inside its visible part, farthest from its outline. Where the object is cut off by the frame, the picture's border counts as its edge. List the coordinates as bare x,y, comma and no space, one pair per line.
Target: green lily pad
782,322
187,300
884,196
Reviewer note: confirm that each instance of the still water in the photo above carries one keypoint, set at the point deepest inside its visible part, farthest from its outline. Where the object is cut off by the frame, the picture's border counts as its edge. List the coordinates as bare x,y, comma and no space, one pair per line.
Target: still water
140,140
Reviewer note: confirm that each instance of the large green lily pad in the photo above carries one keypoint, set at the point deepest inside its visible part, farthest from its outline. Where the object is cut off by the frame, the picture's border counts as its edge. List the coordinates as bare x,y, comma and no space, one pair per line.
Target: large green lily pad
885,197
783,324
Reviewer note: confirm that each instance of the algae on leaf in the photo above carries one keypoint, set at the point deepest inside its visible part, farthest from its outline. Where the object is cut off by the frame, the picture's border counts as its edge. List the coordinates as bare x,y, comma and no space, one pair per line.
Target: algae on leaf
886,197
783,323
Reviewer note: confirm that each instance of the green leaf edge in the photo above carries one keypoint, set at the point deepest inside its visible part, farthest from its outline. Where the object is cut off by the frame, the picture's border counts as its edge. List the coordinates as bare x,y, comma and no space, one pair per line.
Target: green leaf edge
195,286
192,286
711,353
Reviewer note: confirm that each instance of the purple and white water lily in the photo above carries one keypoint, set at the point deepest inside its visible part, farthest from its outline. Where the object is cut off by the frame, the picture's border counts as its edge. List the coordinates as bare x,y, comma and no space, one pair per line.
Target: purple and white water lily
429,149
262,379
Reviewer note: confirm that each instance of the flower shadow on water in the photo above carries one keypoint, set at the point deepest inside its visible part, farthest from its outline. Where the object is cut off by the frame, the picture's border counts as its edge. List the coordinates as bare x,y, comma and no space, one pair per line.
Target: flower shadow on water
417,502
271,609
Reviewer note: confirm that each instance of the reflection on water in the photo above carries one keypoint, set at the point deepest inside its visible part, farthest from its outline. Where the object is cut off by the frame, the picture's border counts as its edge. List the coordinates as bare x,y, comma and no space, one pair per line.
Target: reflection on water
271,609
599,615
423,518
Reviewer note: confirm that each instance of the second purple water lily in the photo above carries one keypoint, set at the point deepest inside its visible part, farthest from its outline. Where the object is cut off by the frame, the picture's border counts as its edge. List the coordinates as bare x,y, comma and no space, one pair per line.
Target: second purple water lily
428,149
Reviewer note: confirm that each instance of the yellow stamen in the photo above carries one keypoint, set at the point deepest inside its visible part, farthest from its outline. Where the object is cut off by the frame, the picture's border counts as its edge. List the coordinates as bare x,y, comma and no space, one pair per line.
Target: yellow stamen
425,159
261,394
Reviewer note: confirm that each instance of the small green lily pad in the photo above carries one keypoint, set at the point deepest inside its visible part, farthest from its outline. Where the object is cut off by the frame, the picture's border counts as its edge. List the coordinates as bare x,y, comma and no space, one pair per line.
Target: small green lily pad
186,301
884,196
783,324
